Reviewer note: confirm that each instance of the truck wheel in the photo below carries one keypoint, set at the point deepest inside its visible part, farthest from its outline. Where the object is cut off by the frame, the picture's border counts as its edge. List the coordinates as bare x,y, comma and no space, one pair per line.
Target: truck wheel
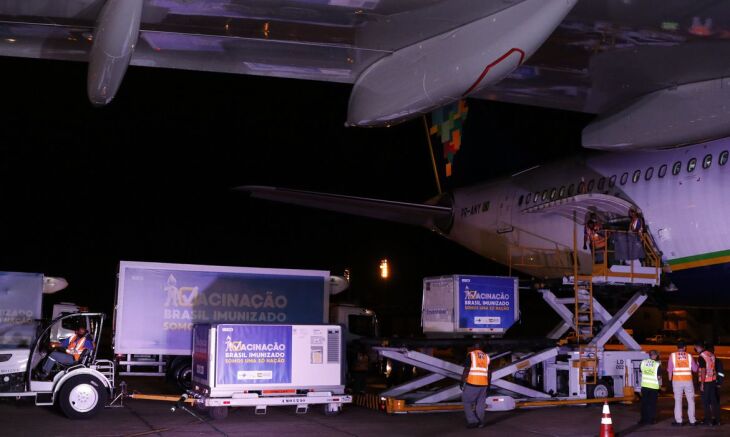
602,389
218,413
182,374
82,397
332,411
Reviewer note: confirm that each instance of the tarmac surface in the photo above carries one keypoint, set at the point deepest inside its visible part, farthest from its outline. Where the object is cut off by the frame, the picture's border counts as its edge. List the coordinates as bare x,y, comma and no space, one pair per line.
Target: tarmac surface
154,418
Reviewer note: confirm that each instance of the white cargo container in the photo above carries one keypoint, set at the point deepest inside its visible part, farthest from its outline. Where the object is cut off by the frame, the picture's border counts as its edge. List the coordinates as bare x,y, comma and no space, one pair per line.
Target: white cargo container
260,365
469,304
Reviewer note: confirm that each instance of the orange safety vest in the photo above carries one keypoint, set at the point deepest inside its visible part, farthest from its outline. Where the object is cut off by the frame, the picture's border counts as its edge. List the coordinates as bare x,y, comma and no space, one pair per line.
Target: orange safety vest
75,346
599,241
682,366
479,370
710,374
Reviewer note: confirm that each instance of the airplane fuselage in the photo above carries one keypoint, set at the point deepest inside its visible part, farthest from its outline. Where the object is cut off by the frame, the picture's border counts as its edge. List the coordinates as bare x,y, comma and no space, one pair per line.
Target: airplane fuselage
681,193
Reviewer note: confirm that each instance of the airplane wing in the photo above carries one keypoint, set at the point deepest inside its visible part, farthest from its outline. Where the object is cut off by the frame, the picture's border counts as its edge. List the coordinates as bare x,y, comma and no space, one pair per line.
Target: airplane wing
437,217
624,60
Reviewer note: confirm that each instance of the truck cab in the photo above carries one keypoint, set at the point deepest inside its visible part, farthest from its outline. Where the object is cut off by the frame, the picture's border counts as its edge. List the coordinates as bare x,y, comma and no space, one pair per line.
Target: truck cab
359,322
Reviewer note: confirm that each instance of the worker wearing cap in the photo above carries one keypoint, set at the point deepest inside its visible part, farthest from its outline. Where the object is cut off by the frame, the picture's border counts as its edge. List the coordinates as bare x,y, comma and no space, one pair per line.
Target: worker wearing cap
475,380
679,368
650,383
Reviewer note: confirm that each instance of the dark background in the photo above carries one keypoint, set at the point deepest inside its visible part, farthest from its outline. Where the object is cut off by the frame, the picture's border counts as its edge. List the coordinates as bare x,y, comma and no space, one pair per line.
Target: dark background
149,178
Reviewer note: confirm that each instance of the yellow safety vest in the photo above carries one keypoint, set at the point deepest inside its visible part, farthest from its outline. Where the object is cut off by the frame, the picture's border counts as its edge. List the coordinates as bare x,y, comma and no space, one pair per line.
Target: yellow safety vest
75,346
650,374
479,370
682,366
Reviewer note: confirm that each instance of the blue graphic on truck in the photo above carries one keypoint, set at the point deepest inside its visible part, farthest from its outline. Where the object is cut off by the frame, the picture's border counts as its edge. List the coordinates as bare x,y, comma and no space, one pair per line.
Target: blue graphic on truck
160,306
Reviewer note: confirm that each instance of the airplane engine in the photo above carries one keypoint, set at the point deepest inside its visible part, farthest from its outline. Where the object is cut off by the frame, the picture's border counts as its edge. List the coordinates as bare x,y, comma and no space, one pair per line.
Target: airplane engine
442,69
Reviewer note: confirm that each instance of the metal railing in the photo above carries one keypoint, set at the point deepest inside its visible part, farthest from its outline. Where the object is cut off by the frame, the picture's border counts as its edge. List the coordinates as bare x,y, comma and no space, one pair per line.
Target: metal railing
618,246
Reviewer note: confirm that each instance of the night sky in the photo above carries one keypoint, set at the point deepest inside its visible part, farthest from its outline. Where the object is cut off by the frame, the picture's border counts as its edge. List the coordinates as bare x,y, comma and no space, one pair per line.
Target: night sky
149,178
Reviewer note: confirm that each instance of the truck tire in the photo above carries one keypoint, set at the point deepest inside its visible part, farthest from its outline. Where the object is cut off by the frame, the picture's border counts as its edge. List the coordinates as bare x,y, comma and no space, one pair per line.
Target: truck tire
82,397
603,388
331,412
181,373
218,413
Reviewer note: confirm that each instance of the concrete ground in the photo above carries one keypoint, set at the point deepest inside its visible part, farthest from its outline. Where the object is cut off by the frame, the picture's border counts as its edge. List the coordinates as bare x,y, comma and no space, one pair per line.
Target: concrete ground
152,418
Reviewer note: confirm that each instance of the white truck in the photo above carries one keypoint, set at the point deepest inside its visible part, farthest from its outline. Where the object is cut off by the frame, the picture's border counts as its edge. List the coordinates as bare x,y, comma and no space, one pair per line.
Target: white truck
238,365
158,304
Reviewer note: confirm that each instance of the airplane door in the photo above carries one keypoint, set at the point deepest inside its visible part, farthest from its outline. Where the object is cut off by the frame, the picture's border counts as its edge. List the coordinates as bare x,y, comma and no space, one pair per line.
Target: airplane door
504,214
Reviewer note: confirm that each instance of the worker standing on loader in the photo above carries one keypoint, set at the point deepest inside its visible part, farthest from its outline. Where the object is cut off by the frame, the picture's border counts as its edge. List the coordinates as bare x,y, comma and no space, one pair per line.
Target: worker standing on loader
474,382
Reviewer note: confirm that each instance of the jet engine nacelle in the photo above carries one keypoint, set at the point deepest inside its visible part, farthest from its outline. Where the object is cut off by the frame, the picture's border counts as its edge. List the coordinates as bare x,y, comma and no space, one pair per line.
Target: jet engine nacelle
442,69
115,36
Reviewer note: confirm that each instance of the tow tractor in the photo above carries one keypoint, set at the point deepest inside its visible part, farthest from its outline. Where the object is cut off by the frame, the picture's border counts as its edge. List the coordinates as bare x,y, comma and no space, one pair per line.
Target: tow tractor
81,389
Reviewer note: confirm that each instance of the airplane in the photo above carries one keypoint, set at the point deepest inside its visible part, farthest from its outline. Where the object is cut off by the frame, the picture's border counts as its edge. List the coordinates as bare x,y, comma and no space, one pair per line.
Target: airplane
530,219
626,61
653,72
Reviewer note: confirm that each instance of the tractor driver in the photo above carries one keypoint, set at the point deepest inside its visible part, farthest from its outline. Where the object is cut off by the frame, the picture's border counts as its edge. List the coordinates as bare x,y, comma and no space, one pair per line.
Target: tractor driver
68,351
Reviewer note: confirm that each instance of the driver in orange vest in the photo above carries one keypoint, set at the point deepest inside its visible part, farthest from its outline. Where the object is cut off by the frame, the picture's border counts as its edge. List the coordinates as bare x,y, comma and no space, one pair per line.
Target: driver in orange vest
475,381
71,349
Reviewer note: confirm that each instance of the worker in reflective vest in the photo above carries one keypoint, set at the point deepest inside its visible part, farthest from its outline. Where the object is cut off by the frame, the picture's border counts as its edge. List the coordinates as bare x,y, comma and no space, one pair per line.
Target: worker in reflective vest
598,242
708,385
650,383
70,351
679,368
475,381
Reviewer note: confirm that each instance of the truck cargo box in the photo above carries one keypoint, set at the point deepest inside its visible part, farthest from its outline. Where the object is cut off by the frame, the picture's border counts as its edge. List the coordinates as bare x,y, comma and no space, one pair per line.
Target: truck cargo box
469,304
157,303
233,359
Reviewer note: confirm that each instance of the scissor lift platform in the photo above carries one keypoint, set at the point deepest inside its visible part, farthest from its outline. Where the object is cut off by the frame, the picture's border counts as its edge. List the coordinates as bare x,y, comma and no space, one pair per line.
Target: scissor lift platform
552,376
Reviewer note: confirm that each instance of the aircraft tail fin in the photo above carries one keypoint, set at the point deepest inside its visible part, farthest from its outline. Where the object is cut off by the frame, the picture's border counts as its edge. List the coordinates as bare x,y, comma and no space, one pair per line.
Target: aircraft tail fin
420,214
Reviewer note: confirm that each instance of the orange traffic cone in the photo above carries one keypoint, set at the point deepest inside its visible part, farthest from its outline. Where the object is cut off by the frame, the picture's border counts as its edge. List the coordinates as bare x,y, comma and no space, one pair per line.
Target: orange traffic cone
606,422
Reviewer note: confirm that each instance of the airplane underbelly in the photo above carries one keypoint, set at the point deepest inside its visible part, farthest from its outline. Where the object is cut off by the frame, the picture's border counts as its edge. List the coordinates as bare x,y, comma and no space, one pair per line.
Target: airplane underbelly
701,286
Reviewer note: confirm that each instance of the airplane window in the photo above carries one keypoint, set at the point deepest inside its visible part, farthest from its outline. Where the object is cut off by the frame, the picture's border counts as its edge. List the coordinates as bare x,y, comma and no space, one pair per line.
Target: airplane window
612,181
537,197
581,188
649,173
624,178
707,162
528,198
676,168
521,199
544,195
590,185
553,193
601,183
570,189
636,176
723,158
562,191
662,171
691,164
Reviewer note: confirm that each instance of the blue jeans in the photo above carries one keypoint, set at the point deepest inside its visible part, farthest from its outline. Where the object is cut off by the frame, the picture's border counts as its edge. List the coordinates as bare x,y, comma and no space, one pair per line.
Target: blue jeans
57,357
